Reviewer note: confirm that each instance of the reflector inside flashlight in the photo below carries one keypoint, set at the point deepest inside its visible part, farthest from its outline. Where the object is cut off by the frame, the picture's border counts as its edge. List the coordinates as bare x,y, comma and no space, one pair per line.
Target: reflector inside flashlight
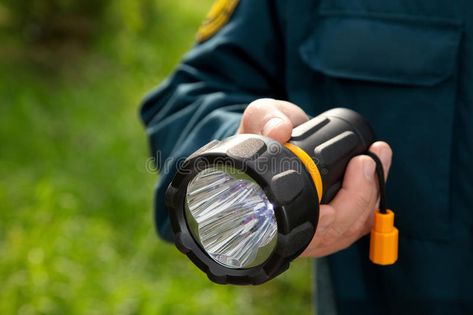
231,217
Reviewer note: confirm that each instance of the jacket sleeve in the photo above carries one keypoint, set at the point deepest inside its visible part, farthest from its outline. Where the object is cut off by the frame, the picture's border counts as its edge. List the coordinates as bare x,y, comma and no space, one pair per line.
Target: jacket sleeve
205,96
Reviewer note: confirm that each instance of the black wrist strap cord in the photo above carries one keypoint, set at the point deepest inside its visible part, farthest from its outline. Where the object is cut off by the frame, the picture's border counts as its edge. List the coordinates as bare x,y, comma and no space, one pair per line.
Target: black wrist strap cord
381,181
384,235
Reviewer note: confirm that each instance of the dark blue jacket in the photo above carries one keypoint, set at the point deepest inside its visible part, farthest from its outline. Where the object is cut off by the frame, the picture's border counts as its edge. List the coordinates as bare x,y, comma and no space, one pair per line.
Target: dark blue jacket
407,66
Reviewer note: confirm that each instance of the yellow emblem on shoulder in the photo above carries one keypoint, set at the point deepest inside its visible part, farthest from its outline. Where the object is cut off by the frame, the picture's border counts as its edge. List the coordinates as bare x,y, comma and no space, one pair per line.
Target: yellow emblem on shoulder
217,17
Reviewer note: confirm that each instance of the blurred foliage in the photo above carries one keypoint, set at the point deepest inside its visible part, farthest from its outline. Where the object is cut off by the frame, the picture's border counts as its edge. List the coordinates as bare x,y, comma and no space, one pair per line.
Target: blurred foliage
52,20
46,19
76,228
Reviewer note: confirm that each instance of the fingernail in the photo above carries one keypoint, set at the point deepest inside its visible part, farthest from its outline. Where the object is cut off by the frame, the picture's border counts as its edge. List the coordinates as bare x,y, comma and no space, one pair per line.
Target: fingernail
271,124
368,168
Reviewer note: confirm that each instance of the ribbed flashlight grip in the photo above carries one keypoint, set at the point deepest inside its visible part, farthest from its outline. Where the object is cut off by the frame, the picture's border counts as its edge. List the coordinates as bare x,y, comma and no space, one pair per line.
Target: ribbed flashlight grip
331,140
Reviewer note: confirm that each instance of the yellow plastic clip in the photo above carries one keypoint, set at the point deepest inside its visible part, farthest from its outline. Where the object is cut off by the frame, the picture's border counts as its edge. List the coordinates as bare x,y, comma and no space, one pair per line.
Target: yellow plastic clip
384,239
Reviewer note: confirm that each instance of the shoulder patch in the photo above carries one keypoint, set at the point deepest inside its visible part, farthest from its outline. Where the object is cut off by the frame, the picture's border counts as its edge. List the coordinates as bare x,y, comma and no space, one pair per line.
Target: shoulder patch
218,16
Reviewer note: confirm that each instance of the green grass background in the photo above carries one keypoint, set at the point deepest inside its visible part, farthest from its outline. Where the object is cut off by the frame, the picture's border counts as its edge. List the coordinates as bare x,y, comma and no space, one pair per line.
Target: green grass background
76,229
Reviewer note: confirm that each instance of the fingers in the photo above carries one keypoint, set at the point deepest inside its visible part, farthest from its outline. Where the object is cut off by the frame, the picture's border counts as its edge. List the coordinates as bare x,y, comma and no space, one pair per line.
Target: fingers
320,242
272,118
357,197
350,214
359,194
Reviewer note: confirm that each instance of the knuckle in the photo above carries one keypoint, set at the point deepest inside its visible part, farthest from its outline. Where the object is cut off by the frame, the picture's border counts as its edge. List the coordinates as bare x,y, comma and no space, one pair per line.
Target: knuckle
361,227
330,236
257,105
248,117
356,228
363,201
245,122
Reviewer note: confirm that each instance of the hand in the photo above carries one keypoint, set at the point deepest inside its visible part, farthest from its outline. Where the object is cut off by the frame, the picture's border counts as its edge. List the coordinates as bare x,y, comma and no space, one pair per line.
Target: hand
349,216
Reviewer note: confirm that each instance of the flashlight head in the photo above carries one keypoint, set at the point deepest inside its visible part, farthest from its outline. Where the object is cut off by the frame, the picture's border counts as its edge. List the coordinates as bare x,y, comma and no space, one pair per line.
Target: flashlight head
242,208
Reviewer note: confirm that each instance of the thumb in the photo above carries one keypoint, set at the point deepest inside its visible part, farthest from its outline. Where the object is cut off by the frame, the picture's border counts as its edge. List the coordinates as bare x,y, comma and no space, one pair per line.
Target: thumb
271,118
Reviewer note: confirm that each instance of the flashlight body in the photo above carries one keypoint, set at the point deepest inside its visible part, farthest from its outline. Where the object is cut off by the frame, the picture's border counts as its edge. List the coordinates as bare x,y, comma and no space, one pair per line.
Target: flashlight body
331,140
318,154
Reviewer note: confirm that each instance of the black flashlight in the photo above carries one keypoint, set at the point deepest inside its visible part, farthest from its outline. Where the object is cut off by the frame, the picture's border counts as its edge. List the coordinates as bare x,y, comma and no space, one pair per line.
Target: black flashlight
243,208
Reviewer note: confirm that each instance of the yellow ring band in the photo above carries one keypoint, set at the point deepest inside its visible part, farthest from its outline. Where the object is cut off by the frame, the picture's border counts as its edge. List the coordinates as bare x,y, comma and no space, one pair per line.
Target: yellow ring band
309,165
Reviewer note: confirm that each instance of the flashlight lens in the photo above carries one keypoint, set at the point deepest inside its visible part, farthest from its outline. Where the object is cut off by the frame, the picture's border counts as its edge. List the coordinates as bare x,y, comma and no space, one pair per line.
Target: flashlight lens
231,217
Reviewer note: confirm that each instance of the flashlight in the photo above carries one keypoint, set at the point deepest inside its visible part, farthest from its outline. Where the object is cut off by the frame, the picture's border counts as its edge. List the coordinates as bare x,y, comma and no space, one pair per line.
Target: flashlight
243,208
